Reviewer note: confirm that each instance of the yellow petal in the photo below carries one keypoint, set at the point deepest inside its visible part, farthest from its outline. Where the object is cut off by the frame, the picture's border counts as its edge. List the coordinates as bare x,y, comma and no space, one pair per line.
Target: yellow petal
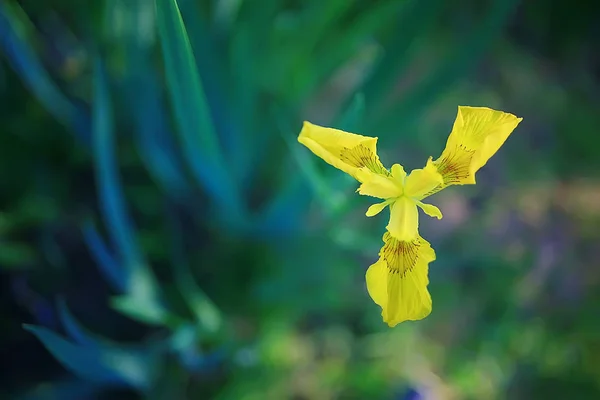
376,208
382,187
398,281
404,219
422,181
398,173
376,278
430,210
343,150
477,134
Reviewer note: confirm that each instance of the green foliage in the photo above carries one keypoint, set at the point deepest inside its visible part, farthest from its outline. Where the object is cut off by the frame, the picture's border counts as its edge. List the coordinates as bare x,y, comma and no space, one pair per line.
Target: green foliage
152,179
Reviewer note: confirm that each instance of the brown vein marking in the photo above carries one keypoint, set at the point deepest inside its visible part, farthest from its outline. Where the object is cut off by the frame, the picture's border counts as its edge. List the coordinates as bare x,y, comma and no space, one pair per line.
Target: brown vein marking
455,166
401,257
360,156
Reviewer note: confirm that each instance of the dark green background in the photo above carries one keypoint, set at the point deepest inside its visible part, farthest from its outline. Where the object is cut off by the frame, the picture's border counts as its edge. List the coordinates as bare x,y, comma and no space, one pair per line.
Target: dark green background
164,236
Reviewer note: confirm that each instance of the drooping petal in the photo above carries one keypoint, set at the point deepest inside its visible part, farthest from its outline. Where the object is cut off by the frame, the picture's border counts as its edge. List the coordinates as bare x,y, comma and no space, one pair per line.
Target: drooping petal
343,150
379,186
430,210
477,134
422,181
398,281
404,219
376,278
376,208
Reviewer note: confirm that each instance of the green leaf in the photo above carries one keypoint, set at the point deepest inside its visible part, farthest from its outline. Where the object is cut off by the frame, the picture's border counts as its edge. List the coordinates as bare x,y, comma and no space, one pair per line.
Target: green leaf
107,177
141,300
100,364
198,136
206,313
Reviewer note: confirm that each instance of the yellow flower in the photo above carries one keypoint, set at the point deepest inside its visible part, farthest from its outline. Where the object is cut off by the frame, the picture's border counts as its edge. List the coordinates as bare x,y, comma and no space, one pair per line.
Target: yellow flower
398,281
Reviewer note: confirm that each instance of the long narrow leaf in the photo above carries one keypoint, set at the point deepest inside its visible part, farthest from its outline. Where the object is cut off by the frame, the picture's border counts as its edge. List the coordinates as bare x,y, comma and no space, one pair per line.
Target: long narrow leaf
218,85
141,300
73,328
111,196
156,144
30,69
207,315
198,136
110,267
109,366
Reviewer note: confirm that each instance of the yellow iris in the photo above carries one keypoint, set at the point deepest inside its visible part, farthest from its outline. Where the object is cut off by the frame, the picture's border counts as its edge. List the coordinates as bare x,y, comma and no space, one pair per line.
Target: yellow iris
398,281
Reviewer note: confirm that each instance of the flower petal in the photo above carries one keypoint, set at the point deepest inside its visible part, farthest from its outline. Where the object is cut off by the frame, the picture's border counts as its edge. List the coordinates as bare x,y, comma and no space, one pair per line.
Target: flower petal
404,219
343,150
398,281
422,181
430,210
477,134
398,173
381,187
376,278
376,208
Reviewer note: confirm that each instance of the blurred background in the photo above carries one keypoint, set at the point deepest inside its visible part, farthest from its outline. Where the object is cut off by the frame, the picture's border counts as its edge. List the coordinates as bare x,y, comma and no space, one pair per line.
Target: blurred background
164,236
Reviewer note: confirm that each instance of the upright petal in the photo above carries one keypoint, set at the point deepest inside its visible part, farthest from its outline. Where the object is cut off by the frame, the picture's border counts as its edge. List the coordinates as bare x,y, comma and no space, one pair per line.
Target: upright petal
398,173
404,219
477,134
398,281
346,151
379,186
422,181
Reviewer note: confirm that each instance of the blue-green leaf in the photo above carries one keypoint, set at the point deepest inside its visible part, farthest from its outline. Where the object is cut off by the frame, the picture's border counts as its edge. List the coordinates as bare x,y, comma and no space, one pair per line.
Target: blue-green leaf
13,24
100,364
141,300
111,196
207,315
198,136
156,144
72,326
109,266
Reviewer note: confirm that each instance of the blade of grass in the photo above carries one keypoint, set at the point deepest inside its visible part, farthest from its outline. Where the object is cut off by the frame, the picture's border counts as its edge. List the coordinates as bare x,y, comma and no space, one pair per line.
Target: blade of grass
141,300
197,132
218,85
